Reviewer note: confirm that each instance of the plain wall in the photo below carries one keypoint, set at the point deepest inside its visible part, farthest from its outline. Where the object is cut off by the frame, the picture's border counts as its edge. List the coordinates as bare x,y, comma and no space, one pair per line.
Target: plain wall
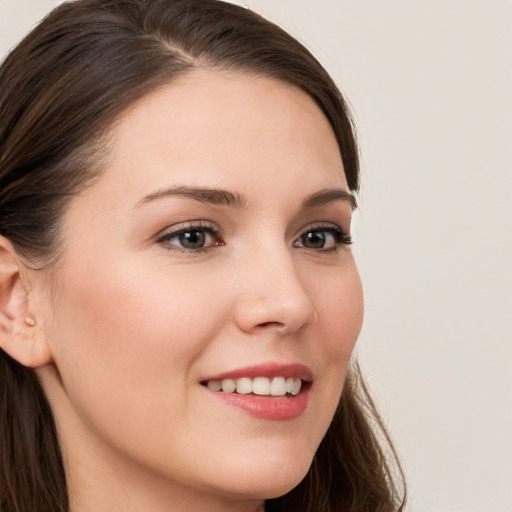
430,84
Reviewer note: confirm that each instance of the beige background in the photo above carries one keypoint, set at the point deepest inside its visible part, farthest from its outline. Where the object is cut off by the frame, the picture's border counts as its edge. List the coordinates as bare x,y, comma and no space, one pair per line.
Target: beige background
430,82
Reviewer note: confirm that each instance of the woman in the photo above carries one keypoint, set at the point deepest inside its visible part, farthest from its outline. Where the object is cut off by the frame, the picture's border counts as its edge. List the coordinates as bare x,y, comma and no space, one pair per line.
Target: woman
179,299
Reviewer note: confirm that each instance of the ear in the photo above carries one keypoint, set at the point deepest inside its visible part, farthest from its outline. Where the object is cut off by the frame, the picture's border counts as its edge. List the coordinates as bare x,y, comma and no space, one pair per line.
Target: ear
20,335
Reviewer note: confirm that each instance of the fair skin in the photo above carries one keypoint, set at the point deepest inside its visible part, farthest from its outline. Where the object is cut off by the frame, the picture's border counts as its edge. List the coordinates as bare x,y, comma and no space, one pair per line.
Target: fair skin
134,318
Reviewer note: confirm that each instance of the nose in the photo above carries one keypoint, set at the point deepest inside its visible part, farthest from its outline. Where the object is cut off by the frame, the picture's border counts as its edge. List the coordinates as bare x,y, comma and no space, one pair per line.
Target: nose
272,296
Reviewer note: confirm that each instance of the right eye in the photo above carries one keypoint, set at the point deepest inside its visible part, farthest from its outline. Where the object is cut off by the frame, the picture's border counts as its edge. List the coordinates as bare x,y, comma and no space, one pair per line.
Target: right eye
191,238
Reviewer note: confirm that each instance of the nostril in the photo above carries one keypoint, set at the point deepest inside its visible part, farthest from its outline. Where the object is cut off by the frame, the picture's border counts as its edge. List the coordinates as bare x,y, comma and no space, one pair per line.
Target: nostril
270,324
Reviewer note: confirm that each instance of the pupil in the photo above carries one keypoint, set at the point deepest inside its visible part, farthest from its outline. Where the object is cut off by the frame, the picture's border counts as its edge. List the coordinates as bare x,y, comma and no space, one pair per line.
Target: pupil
315,239
192,239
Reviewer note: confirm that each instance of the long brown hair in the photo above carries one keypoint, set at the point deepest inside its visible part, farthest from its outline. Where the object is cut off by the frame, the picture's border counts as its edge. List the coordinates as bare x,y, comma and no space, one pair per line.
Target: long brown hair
61,90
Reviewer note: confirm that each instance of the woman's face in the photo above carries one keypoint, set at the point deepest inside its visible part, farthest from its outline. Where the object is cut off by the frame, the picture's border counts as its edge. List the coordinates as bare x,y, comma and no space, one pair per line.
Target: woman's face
212,248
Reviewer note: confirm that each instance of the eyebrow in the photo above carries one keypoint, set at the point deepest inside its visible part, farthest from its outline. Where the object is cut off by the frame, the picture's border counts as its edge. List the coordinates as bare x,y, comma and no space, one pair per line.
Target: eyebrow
236,200
204,195
327,196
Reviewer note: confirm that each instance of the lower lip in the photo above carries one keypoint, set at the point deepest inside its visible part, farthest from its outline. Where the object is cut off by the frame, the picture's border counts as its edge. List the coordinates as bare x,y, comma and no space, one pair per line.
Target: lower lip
267,407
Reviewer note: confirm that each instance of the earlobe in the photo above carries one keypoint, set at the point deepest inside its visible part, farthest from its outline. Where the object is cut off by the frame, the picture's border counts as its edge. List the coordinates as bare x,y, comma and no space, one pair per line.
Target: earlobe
20,335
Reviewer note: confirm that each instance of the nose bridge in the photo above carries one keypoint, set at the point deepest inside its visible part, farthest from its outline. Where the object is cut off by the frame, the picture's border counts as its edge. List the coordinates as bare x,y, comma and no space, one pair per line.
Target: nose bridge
272,294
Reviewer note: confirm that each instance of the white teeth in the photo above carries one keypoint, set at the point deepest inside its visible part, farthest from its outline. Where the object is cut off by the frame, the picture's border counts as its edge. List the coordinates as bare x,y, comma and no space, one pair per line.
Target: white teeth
297,384
278,386
228,385
214,385
244,386
261,386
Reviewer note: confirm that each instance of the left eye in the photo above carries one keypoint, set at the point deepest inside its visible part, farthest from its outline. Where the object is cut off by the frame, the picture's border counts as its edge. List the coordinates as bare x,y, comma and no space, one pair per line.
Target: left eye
322,239
191,238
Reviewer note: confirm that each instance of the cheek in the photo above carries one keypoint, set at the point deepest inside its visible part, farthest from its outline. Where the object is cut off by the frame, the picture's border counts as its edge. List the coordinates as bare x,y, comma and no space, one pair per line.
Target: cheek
155,306
340,308
136,336
126,351
339,304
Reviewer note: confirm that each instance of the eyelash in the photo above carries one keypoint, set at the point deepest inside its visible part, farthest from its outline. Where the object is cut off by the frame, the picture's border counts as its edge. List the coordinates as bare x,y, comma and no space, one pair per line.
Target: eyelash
199,227
339,237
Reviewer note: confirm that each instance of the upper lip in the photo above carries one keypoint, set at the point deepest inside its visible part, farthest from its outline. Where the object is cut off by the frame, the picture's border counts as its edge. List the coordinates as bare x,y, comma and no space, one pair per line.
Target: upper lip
270,369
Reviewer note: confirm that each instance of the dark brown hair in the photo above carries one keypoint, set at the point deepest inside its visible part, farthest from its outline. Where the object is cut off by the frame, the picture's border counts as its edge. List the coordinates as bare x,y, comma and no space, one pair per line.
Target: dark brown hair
61,90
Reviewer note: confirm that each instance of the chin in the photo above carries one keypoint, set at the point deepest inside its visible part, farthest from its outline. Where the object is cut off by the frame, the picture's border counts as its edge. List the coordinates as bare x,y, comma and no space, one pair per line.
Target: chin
267,481
280,486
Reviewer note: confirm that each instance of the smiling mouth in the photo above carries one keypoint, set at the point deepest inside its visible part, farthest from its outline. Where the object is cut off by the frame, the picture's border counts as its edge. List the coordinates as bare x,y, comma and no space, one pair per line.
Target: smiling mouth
259,386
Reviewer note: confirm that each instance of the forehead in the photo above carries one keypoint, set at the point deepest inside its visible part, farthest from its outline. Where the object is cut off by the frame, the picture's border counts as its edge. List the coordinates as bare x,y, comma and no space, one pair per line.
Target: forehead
218,128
